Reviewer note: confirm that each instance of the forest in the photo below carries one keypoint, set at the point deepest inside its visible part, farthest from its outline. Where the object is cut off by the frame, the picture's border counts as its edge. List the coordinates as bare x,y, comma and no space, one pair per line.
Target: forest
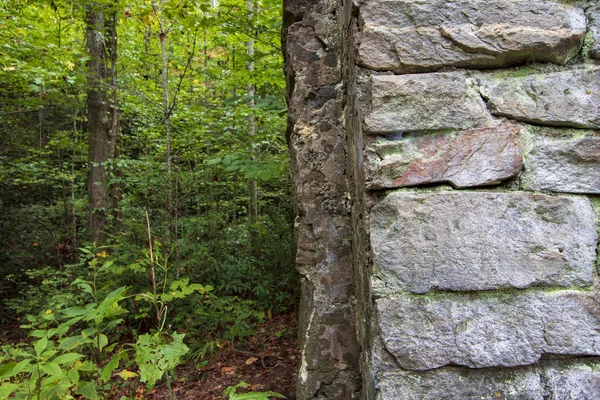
146,208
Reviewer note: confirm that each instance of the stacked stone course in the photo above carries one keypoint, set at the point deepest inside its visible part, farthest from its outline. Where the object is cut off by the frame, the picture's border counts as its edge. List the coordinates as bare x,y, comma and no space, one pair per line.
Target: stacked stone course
446,161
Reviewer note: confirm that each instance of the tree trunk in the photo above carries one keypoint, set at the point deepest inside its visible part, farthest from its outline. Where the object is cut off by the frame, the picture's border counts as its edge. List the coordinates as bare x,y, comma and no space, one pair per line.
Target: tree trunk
165,83
115,188
253,187
103,119
98,125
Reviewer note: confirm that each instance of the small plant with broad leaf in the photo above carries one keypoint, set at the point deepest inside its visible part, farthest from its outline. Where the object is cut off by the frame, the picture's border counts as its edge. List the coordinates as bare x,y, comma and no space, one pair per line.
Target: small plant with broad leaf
231,393
71,346
60,363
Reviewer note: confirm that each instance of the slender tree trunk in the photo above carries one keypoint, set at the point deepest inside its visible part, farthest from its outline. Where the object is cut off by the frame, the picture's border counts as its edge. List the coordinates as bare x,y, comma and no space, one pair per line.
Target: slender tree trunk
73,198
116,187
98,125
167,121
253,189
41,120
165,83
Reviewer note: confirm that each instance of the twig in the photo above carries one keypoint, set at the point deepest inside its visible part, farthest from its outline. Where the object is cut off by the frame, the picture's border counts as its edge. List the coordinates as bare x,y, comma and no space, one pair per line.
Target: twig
158,316
261,356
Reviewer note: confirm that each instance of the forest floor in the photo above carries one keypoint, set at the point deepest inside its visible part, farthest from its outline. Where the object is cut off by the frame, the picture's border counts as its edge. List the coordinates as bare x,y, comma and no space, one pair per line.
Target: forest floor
266,361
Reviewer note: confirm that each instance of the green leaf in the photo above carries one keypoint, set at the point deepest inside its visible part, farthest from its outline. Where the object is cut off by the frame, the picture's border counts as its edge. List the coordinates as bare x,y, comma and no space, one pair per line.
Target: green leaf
231,392
87,389
40,345
72,342
64,327
87,366
111,366
74,311
73,375
112,324
48,353
6,370
6,389
214,161
101,340
106,266
256,396
38,333
155,356
89,332
67,358
20,367
52,368
83,285
111,299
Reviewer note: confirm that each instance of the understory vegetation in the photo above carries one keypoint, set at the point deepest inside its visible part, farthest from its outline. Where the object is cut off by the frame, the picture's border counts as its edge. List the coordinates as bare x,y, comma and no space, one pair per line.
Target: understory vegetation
145,205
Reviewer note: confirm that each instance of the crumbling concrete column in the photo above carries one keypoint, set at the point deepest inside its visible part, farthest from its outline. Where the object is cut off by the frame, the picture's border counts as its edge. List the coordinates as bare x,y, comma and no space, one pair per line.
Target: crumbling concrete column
314,51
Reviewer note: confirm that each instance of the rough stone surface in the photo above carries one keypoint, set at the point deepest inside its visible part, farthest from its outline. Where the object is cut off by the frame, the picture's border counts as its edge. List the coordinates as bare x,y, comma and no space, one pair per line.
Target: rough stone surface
409,103
459,384
488,330
553,380
463,241
569,98
470,158
593,17
406,36
329,368
581,382
563,161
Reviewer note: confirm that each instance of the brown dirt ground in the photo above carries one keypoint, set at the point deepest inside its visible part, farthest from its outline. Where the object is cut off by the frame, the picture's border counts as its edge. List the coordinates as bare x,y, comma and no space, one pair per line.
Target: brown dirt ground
268,362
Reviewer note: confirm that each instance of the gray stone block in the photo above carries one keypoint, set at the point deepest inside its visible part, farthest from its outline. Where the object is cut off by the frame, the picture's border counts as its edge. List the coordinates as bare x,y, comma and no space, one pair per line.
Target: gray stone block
424,332
463,241
407,36
593,17
569,98
470,158
551,380
419,102
581,382
461,384
563,161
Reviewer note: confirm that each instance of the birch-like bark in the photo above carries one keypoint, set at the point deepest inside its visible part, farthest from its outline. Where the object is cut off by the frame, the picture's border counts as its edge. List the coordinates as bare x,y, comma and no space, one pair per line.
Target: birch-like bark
165,82
115,189
253,189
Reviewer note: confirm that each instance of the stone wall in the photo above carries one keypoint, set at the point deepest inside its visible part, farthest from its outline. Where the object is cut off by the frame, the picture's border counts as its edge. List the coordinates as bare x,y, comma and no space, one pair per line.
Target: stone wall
446,161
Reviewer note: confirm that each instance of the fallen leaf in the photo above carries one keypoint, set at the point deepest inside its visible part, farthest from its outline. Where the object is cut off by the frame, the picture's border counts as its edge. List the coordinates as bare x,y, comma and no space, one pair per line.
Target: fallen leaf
228,370
251,360
126,374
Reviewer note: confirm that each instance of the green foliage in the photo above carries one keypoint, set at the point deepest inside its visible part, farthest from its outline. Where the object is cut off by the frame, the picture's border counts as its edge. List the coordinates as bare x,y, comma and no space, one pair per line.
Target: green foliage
75,340
231,393
155,355
61,360
217,273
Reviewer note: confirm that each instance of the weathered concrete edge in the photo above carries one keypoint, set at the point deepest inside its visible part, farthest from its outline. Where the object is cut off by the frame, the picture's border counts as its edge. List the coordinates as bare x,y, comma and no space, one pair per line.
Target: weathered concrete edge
315,57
